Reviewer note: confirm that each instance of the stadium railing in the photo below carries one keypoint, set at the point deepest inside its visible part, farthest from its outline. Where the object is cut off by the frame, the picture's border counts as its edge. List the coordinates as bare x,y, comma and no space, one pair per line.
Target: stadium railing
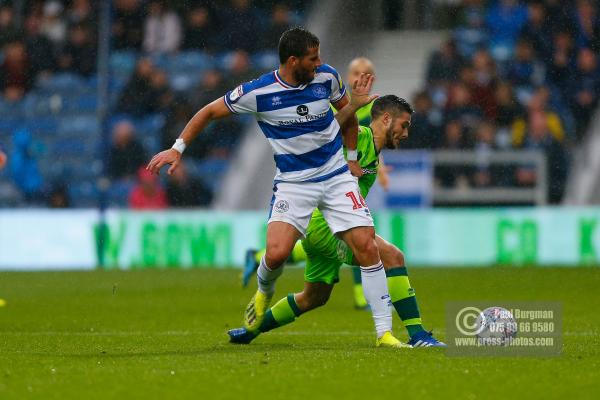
538,194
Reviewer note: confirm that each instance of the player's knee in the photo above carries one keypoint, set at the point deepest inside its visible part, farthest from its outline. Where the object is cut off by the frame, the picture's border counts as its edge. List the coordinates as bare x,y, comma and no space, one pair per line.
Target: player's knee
318,299
276,254
367,246
310,300
396,257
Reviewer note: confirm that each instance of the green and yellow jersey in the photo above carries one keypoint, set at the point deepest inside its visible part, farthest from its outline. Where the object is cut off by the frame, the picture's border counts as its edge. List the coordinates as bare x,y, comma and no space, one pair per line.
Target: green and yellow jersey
368,158
364,114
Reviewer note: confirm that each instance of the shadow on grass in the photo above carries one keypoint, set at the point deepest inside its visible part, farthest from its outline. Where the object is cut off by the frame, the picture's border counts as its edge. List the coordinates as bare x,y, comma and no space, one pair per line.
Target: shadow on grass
258,349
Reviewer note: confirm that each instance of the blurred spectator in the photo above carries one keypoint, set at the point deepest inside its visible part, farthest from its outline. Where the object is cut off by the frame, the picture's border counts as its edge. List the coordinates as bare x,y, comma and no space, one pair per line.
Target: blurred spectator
461,107
559,14
524,70
184,190
505,20
3,159
23,166
81,12
538,108
583,90
241,25
59,197
126,155
137,94
471,35
482,83
162,95
127,29
79,55
240,70
212,86
507,107
148,194
8,31
424,131
538,30
177,118
563,62
146,92
224,132
585,21
16,73
200,30
280,22
454,139
444,64
54,26
540,138
38,46
162,29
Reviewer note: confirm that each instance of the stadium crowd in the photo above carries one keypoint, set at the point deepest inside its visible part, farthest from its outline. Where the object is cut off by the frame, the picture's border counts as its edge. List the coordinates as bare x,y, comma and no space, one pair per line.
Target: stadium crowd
513,75
57,42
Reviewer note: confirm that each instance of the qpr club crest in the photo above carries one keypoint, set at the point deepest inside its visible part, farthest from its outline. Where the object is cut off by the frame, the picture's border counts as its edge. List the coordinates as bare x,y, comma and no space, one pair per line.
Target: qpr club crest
319,91
282,206
302,110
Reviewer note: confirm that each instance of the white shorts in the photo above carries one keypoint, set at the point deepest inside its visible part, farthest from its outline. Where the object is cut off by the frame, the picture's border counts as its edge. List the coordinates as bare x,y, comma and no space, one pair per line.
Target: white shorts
338,198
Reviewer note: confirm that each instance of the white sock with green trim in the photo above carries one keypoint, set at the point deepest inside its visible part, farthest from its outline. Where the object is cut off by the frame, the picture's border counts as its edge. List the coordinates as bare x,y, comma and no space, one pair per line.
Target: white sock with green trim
267,277
376,292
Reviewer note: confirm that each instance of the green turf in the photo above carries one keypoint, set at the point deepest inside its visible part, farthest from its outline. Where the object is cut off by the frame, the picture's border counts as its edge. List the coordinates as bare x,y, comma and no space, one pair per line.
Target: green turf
158,334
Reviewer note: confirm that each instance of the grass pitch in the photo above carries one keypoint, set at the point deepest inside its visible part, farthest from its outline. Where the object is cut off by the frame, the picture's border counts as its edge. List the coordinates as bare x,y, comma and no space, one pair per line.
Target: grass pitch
161,334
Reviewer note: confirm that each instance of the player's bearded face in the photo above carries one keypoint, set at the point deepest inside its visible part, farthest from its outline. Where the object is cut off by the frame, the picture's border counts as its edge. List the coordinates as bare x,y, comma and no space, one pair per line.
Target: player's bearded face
397,130
307,66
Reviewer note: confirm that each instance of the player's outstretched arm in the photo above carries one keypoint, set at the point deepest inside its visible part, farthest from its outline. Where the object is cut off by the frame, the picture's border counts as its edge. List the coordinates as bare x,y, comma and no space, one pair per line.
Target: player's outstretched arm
346,117
350,136
215,110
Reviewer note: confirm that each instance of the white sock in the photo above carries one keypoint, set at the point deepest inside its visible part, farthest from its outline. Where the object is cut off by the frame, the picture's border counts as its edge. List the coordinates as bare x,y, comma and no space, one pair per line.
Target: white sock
376,292
267,277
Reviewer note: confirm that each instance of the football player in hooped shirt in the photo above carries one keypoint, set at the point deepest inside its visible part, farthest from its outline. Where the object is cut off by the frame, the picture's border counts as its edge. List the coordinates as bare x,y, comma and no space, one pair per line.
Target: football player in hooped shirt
292,108
325,253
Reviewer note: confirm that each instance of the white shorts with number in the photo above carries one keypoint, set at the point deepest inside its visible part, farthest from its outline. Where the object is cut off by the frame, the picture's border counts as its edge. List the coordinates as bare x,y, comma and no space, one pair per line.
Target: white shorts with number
338,198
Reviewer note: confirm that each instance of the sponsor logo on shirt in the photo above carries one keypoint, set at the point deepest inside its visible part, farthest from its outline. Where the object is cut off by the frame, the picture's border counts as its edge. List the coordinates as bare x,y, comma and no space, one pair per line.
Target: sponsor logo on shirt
302,110
306,118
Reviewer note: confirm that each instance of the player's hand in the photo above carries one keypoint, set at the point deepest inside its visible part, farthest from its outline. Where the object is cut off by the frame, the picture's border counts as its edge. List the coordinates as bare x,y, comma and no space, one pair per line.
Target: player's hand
171,157
383,176
361,89
355,168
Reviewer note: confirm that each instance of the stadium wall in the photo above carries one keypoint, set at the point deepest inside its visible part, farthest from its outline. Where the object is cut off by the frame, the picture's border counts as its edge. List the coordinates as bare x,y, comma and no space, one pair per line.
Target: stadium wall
40,239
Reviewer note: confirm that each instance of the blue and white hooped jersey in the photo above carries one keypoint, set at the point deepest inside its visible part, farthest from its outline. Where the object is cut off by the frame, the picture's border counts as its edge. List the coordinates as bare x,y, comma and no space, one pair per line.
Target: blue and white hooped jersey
298,123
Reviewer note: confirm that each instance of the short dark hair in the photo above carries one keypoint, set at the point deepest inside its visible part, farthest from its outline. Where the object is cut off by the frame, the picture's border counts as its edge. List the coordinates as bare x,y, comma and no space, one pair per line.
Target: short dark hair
296,42
390,103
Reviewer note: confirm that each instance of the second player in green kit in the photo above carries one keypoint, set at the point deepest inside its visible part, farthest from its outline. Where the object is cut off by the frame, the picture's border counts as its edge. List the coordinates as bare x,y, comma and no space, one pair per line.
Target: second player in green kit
325,253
